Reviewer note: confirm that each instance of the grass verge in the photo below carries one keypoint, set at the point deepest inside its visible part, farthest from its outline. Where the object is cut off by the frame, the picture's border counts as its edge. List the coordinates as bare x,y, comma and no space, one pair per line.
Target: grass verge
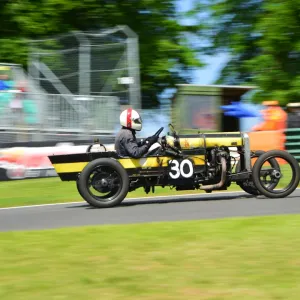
53,190
248,258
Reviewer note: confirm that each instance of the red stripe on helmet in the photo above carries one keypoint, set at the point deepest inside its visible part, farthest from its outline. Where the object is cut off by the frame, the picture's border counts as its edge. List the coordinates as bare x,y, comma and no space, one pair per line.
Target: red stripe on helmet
129,111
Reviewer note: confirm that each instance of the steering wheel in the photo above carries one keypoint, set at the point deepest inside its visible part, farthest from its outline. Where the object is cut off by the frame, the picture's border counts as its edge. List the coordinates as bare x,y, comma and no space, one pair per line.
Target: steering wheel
158,132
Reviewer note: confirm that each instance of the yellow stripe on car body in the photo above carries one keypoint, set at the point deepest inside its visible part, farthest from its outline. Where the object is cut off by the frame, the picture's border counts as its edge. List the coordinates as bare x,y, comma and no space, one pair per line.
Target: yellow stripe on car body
128,163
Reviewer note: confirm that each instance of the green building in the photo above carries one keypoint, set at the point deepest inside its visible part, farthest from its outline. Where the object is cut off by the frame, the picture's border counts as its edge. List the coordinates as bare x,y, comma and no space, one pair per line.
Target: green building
197,107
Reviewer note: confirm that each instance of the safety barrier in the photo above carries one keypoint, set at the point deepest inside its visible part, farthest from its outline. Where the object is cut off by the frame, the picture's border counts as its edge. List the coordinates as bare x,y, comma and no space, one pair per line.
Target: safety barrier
292,143
26,116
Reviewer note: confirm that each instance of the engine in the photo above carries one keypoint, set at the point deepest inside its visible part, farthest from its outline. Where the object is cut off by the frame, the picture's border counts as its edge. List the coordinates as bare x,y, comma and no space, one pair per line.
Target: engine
206,141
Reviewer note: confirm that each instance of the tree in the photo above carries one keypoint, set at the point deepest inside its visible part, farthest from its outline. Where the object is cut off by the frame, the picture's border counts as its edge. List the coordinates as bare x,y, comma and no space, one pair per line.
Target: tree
230,27
165,53
263,41
277,69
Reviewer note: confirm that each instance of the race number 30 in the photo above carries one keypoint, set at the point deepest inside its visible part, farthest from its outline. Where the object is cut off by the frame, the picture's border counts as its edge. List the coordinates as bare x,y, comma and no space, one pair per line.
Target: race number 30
183,168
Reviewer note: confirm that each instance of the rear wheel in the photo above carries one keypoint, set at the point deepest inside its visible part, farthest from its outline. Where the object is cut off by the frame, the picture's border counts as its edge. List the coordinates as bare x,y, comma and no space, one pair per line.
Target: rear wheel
285,179
103,183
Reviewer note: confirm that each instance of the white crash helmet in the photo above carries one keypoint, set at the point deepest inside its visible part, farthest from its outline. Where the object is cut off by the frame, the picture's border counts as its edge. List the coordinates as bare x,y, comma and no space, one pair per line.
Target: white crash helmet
130,118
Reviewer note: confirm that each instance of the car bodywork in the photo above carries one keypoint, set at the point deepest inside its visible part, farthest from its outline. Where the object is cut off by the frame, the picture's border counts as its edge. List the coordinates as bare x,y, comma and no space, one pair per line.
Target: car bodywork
196,149
202,161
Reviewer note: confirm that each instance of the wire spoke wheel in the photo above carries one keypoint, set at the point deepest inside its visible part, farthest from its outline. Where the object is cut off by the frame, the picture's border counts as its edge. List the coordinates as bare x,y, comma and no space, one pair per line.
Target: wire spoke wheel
276,182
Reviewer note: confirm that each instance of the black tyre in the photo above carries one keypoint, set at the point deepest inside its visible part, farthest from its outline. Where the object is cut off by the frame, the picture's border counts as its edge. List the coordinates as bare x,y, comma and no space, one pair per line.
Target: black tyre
78,188
103,183
248,185
260,175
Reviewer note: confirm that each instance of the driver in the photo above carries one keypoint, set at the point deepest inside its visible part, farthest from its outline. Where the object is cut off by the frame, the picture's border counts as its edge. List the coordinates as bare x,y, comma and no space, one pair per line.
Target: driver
125,141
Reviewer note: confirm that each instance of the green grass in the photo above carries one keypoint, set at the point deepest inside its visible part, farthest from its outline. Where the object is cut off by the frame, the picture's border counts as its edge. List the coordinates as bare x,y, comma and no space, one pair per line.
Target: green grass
242,258
53,190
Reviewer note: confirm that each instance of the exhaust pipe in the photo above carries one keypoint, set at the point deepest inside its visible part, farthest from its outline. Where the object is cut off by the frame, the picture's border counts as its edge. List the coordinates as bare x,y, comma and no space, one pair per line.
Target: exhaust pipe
223,178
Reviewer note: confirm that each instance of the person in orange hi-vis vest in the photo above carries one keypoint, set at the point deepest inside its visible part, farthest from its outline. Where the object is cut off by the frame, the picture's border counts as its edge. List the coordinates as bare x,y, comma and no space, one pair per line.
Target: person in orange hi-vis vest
275,118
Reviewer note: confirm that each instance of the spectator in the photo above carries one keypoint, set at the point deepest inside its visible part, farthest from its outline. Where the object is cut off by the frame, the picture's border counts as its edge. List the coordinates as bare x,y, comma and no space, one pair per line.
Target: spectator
275,118
16,106
4,98
3,82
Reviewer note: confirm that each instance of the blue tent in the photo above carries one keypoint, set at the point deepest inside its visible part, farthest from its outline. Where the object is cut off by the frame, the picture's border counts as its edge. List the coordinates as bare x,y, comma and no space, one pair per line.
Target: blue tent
241,110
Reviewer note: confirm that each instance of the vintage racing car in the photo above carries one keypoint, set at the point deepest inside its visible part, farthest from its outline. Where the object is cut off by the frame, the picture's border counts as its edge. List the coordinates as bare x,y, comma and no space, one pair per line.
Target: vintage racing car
203,161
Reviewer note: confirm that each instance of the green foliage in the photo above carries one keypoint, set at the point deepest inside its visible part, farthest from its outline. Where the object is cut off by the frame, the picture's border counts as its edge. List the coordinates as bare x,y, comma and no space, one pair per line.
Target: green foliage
231,28
164,53
262,39
277,69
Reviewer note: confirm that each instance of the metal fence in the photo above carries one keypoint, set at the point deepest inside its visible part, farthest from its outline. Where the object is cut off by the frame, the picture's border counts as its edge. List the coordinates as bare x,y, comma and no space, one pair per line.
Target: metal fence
46,116
292,142
89,63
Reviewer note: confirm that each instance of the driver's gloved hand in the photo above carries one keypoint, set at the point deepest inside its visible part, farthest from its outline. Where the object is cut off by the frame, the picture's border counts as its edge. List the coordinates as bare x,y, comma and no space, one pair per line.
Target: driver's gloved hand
151,140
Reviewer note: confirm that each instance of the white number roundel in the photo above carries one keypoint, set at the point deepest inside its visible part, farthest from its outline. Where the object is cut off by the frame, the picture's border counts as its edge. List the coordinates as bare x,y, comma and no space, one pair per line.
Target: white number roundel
177,169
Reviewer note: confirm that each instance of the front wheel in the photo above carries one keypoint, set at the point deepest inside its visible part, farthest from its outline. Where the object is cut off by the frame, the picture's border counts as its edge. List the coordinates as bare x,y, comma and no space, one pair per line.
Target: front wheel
248,185
103,183
266,177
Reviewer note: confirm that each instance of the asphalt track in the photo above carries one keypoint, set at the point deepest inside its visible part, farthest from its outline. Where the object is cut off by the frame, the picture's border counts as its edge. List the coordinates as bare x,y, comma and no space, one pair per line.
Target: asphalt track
191,207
